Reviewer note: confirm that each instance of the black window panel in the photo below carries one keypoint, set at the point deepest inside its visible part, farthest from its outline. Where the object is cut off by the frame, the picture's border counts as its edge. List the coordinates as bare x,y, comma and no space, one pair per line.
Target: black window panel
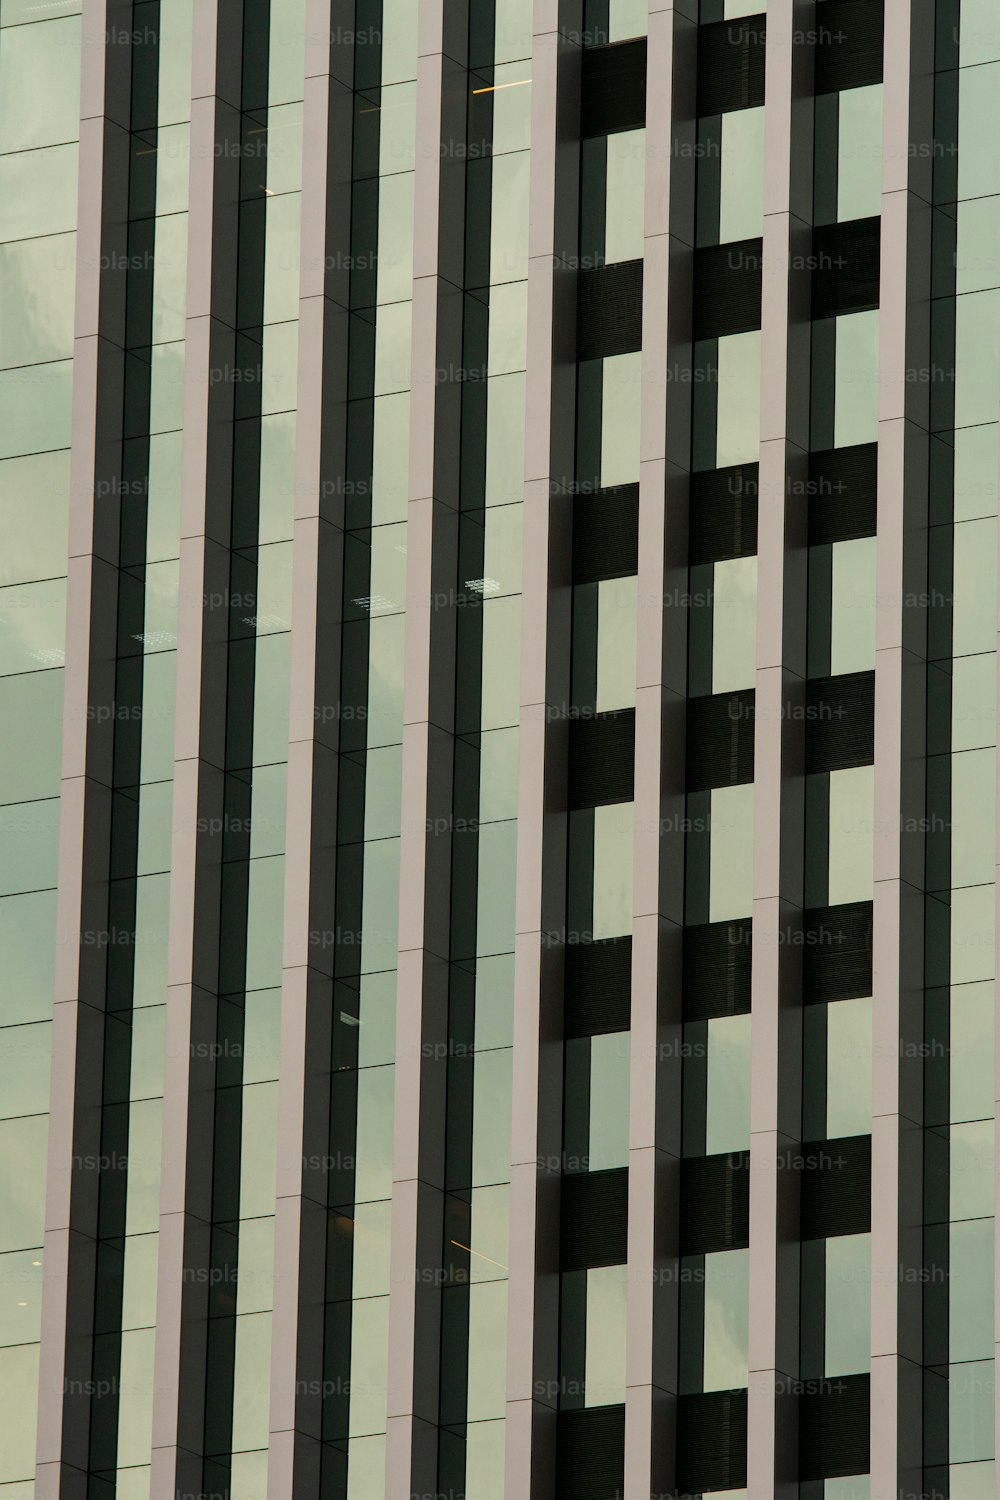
613,88
848,50
731,65
837,952
609,310
715,1203
594,1220
834,1428
717,969
602,759
836,1190
722,520
727,282
843,484
711,1442
590,1462
720,740
845,271
606,534
598,987
840,722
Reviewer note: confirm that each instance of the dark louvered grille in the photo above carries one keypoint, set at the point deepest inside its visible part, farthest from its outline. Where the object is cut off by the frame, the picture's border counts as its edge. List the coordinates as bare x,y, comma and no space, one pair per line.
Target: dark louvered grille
849,44
836,1188
727,283
840,722
613,88
594,1219
837,952
711,1442
717,970
720,740
602,759
715,1203
835,1428
609,310
606,534
723,514
845,267
598,987
731,65
842,498
591,1454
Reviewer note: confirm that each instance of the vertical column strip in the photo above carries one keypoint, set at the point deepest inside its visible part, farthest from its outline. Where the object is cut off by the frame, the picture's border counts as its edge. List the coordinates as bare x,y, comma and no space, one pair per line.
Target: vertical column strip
536,1092
776,1087
71,1211
661,673
428,755
296,1419
900,676
199,754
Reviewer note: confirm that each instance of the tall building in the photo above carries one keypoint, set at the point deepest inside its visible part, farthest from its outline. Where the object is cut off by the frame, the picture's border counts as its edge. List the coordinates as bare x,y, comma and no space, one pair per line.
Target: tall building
498,626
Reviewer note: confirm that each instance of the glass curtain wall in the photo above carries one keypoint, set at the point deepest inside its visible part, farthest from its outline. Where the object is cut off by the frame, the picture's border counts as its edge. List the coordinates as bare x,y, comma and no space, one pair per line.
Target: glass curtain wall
258,607
365,938
837,1038
254,836
39,132
129,1203
722,662
959,1118
596,1048
487,710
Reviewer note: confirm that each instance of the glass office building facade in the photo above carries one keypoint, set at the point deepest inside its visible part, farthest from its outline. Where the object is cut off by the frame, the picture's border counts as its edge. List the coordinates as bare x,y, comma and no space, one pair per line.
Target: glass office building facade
498,820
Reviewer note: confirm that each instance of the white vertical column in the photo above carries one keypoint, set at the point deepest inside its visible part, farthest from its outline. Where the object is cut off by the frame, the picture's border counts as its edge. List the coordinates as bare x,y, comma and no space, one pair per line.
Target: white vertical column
199,756
424,876
72,1186
658,899
546,602
778,778
301,1215
900,674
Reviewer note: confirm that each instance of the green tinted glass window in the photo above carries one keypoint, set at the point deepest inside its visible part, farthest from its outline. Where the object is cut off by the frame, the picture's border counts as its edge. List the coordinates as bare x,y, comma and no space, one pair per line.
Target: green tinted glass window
34,517
36,299
19,1400
626,176
605,1336
487,1331
35,408
978,166
727,1309
369,1357
731,859
29,846
32,626
38,192
39,84
20,1297
727,1110
31,710
27,941
23,1145
25,1061
848,1304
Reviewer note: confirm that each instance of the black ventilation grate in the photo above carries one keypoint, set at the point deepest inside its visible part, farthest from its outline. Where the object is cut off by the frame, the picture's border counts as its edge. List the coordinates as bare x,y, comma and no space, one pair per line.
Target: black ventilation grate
602,759
723,514
613,88
731,65
598,987
606,534
609,310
